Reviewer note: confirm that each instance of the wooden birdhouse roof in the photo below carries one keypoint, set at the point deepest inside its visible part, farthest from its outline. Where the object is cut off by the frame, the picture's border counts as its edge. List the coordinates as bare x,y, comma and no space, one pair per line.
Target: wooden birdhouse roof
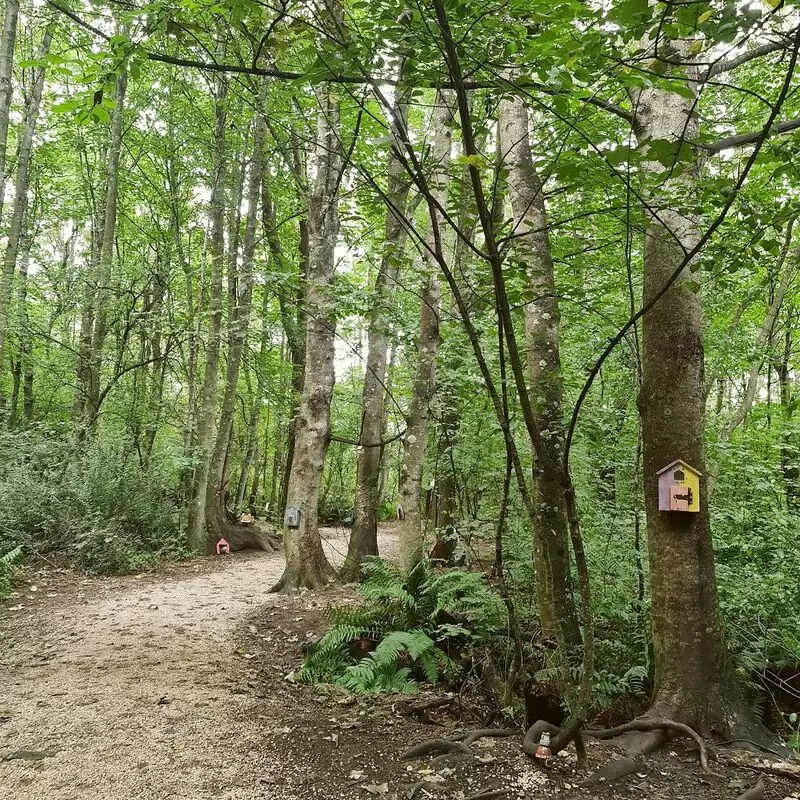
683,464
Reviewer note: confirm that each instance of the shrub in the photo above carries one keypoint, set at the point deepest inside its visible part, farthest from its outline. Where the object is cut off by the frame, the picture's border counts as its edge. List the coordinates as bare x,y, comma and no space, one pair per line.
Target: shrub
98,506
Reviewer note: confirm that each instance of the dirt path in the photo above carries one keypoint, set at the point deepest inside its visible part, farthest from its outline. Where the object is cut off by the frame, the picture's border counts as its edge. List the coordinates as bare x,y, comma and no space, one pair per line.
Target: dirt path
172,686
133,687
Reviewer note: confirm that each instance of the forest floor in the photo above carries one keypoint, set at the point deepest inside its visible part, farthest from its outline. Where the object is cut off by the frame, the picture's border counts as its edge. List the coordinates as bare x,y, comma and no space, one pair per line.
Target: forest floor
173,686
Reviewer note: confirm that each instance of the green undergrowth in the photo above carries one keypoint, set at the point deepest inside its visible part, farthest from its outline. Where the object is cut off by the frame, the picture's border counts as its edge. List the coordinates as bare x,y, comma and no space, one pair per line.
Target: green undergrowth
96,504
406,629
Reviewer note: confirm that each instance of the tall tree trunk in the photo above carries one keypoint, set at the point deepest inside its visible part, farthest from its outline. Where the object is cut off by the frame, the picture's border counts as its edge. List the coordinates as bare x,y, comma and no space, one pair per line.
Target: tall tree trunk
241,288
7,41
192,318
106,256
23,377
206,425
694,681
252,452
415,440
542,337
790,458
16,229
364,534
291,309
306,564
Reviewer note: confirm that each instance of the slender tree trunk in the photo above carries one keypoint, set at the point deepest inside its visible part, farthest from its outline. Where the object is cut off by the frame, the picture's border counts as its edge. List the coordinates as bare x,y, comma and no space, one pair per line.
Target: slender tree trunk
306,564
790,459
7,41
242,290
364,534
25,359
415,440
739,415
16,229
694,681
157,370
252,452
106,256
292,318
206,426
542,336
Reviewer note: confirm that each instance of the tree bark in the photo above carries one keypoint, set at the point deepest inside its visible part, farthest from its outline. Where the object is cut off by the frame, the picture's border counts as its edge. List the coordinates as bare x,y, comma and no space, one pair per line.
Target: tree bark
364,533
694,681
241,289
291,309
415,440
8,39
105,257
16,229
206,426
306,563
542,336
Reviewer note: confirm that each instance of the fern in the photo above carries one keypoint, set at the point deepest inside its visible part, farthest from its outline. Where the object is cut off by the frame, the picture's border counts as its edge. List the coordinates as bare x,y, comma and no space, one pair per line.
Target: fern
384,670
408,619
7,563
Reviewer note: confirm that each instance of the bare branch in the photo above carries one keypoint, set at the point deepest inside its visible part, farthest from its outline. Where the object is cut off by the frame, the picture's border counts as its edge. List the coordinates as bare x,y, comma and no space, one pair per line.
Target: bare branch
743,139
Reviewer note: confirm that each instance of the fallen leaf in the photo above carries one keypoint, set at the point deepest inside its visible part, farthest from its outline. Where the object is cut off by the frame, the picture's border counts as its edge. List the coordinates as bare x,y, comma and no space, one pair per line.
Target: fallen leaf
376,788
357,775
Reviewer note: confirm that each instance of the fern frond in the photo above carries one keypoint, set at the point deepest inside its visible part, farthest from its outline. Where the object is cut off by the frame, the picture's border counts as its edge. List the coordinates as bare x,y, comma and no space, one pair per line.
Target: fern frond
11,557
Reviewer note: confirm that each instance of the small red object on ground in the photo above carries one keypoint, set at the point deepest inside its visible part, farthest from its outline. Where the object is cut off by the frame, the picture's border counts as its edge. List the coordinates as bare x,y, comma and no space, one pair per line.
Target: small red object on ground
223,547
543,750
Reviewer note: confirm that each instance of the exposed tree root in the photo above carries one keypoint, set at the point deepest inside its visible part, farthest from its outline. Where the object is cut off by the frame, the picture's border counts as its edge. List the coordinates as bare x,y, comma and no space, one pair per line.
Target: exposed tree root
435,746
655,725
295,579
449,757
483,733
754,792
619,768
458,746
534,734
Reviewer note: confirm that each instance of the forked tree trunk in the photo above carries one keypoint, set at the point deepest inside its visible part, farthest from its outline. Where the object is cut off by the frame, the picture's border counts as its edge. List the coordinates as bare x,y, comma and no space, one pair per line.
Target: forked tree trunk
542,334
206,425
694,681
415,440
8,39
364,534
306,563
16,228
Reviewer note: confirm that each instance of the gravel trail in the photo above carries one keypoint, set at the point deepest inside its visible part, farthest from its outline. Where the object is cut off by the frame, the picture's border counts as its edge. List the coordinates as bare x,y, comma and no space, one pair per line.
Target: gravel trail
132,687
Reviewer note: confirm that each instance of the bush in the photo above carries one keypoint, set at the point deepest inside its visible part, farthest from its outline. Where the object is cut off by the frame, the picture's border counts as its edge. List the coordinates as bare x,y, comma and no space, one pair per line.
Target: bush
98,506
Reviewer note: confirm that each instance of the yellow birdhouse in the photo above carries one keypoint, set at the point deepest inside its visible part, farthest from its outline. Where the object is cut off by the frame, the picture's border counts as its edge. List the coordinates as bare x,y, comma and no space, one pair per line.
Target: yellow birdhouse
678,487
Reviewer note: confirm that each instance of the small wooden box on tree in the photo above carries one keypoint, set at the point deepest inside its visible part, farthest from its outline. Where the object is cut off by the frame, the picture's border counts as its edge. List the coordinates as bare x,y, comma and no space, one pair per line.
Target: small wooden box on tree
678,487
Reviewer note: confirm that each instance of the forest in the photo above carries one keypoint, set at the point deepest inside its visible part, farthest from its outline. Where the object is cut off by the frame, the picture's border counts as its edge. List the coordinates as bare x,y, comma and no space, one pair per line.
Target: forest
465,332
